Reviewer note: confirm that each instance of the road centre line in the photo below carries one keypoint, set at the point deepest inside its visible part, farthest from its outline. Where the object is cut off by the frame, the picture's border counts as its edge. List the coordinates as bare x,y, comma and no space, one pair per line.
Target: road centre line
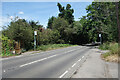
43,59
70,68
37,61
63,74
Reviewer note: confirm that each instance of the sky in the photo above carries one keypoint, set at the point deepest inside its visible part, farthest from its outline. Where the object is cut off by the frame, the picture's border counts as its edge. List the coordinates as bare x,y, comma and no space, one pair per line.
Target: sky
39,11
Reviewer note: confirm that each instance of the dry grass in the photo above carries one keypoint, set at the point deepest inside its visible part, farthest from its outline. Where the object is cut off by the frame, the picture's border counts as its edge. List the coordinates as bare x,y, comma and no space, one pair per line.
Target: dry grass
111,58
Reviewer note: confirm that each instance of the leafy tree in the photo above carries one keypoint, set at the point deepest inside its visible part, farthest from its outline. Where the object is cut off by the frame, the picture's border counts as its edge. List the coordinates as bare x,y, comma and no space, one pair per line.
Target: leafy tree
48,36
50,21
105,22
35,25
67,13
61,25
22,32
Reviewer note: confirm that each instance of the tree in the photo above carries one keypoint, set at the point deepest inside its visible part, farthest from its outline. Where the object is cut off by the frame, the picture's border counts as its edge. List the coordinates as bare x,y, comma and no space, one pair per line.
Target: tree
103,22
50,21
35,25
48,36
67,13
19,30
61,25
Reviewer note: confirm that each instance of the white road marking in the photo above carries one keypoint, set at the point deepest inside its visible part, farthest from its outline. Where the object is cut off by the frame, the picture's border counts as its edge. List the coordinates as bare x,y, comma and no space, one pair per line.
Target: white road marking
5,58
36,61
79,60
33,54
19,56
70,50
73,64
43,59
83,57
63,74
11,57
4,71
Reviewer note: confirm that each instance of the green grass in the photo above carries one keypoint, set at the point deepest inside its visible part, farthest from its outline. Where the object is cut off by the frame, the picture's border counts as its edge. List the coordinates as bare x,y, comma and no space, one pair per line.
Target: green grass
112,47
42,48
52,46
8,55
104,46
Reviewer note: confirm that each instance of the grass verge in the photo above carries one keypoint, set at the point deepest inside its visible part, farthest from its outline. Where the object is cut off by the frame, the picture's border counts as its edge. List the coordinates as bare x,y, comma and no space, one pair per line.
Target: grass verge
52,46
42,48
113,54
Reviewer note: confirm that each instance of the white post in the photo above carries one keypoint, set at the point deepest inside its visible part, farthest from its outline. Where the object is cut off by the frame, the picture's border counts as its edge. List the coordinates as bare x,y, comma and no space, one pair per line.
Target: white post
35,33
100,38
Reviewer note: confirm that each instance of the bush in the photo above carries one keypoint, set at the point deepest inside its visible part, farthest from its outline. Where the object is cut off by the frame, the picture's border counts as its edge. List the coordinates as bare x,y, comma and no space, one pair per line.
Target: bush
104,46
48,37
113,47
7,46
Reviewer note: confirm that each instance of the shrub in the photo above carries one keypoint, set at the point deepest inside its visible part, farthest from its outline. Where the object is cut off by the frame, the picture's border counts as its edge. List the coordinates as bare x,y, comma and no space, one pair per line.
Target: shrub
7,45
104,46
112,47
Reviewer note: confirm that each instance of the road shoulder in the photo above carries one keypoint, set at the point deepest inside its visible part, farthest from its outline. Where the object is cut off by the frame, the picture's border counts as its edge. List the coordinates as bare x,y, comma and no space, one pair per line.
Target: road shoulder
95,67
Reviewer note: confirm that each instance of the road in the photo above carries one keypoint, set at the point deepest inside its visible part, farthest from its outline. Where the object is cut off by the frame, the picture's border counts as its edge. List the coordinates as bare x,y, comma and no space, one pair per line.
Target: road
59,63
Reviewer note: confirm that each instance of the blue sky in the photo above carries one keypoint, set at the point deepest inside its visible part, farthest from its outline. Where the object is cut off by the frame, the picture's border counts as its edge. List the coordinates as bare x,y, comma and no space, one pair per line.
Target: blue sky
39,11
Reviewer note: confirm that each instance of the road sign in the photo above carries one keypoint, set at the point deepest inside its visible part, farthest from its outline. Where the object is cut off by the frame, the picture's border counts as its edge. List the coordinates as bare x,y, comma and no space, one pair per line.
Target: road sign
100,38
35,32
99,35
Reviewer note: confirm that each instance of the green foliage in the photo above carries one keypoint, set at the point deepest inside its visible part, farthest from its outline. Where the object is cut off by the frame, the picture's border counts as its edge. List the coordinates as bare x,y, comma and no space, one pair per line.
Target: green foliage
101,18
104,23
35,25
52,46
7,45
113,47
104,46
66,31
20,30
67,13
50,21
48,37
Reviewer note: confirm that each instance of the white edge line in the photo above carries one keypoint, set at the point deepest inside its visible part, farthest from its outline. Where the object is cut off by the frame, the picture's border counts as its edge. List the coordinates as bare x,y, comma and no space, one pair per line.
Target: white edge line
11,57
63,74
73,64
83,57
79,60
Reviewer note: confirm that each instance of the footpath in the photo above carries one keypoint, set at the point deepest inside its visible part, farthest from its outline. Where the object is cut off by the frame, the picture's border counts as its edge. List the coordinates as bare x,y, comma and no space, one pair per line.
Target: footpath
95,67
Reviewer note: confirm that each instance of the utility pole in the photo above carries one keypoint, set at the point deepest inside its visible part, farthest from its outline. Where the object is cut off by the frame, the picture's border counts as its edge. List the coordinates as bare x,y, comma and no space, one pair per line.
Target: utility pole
118,23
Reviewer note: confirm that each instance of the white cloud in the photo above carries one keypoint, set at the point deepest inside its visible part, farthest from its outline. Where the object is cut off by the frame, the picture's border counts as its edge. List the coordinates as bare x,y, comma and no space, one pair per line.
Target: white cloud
4,21
21,12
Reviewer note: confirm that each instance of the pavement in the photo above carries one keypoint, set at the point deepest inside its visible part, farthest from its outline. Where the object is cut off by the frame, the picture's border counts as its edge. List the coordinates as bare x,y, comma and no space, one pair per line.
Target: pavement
95,67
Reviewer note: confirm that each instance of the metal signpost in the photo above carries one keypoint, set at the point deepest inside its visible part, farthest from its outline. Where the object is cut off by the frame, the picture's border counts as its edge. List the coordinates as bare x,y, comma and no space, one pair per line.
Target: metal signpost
35,33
